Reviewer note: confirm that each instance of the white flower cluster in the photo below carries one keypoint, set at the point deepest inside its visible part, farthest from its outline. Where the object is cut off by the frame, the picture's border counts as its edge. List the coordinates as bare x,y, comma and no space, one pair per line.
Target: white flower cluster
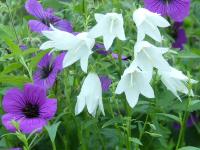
136,78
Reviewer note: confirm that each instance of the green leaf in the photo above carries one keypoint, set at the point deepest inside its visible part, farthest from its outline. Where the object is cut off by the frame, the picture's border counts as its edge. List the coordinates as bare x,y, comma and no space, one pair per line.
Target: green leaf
14,80
173,117
194,105
135,140
189,148
52,130
153,134
11,67
112,122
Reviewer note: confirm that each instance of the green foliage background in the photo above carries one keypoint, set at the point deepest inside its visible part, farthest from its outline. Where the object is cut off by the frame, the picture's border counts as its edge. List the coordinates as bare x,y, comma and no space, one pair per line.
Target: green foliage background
150,125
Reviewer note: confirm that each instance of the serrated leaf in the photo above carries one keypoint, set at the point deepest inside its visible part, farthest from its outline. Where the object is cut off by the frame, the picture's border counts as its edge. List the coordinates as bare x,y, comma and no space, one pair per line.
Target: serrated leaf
52,130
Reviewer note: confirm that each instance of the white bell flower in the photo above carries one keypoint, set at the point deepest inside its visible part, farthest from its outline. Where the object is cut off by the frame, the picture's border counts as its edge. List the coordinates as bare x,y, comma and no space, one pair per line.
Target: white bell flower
109,26
79,46
148,56
90,95
135,82
176,81
147,24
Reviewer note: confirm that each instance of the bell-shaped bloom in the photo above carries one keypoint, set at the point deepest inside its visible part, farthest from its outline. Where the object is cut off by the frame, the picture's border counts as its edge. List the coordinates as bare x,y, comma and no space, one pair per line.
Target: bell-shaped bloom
30,108
90,95
79,46
135,82
109,26
148,56
147,24
176,81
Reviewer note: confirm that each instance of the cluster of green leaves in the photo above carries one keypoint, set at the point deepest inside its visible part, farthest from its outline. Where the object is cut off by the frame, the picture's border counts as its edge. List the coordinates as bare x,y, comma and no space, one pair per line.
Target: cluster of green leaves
152,124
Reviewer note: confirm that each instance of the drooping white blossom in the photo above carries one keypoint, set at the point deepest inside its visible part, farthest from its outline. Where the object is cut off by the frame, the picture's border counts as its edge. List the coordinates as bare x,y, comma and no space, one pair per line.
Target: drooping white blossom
79,46
176,81
109,26
148,56
147,24
90,95
135,82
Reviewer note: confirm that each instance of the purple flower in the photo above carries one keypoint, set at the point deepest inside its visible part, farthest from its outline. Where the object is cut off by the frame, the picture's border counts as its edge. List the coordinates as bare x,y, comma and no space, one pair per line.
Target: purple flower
23,47
15,149
45,18
30,108
176,9
48,69
179,35
101,50
105,83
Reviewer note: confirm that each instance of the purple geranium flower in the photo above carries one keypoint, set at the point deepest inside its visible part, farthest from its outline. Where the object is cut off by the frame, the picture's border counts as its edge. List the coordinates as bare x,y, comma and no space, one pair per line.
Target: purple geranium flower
105,83
45,18
48,69
30,108
176,9
179,35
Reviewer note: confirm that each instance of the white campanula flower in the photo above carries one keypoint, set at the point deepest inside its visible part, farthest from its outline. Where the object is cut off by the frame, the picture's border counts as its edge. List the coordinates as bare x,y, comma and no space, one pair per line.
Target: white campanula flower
109,26
90,95
148,56
79,46
135,82
147,24
176,81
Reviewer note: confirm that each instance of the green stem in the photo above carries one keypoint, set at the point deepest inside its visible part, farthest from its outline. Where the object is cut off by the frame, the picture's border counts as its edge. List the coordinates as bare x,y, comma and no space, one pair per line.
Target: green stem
143,130
12,22
53,145
185,117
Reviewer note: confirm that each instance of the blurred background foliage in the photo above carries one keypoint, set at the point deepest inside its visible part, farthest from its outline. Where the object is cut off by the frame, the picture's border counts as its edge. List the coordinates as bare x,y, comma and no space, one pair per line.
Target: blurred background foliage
152,124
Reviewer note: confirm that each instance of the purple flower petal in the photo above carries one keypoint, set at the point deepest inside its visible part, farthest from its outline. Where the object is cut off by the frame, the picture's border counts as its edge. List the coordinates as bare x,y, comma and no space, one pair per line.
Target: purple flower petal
105,83
34,8
48,109
47,82
58,62
37,26
61,24
13,101
176,9
46,60
34,94
180,40
32,124
15,149
6,121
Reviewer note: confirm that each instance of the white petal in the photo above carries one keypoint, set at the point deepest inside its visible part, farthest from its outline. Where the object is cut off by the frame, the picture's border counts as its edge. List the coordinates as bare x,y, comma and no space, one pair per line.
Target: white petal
84,62
101,106
123,83
158,20
70,58
96,31
108,40
98,17
47,45
151,30
140,34
132,96
143,85
80,104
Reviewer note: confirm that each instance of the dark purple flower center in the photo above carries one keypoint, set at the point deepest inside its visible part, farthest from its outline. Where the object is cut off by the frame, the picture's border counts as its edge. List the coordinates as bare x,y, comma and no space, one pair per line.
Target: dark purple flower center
31,110
46,71
166,1
47,22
